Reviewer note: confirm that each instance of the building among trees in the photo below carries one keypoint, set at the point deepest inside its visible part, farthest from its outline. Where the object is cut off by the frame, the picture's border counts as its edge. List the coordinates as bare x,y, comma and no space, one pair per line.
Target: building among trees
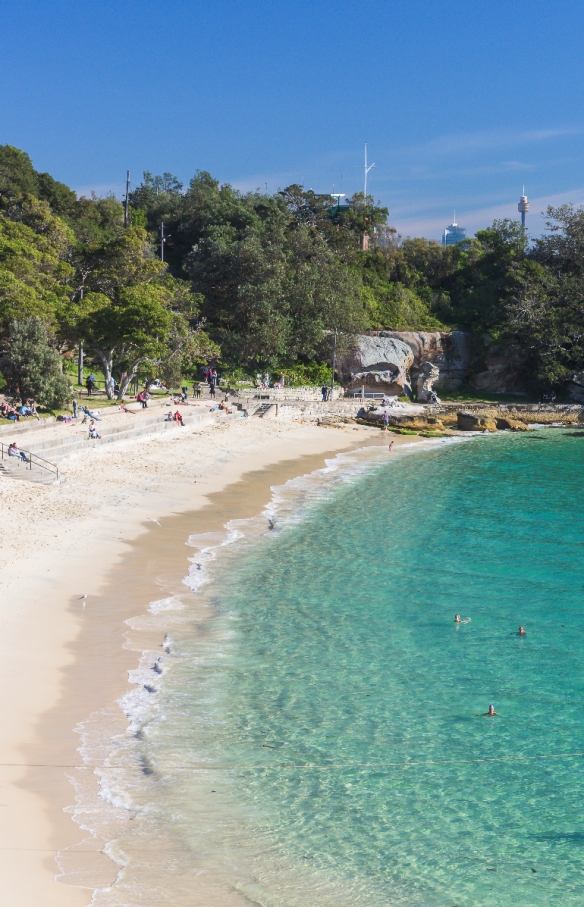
453,234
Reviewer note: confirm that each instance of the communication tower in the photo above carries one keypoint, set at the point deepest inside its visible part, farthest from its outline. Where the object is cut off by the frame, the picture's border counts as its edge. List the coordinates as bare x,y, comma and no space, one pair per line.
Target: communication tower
523,207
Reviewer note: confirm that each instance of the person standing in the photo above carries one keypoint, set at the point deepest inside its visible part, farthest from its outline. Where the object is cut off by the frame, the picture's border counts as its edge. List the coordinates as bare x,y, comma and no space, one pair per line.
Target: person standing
324,392
385,421
74,404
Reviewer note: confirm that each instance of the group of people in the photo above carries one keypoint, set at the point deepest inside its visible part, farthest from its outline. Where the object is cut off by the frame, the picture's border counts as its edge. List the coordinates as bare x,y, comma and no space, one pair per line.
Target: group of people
211,377
266,382
143,398
15,413
175,417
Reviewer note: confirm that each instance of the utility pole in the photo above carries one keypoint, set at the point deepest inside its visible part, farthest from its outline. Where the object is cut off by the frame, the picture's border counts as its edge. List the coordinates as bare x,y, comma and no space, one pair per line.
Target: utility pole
334,360
127,202
367,169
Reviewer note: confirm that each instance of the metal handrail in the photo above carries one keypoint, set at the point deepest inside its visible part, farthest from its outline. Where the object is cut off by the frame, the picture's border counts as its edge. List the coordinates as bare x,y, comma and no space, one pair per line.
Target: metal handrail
33,459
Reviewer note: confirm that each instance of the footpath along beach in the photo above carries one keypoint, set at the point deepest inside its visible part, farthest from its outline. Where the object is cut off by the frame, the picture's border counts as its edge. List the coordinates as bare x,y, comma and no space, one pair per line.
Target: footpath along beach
63,655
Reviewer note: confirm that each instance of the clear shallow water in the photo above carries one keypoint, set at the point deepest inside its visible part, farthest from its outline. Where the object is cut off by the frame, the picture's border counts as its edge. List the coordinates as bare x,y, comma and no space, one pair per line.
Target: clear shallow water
317,741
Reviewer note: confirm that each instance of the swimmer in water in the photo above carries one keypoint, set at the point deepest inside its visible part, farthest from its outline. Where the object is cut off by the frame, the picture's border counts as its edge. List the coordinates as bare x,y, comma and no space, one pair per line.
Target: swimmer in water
461,620
491,713
521,632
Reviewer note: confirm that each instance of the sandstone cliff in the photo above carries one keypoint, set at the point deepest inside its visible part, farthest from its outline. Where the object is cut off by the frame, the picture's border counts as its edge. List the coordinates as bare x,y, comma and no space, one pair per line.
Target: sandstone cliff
397,362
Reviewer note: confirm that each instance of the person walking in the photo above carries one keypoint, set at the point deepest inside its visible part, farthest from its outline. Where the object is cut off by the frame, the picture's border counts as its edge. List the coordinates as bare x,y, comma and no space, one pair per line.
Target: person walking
74,404
385,421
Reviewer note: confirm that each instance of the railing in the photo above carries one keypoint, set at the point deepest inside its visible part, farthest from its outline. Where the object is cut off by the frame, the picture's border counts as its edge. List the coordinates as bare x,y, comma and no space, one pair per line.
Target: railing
33,459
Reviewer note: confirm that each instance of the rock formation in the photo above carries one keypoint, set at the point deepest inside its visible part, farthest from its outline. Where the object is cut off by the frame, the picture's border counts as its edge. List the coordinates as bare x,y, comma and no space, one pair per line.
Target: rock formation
392,362
473,422
502,374
380,362
576,388
427,375
503,423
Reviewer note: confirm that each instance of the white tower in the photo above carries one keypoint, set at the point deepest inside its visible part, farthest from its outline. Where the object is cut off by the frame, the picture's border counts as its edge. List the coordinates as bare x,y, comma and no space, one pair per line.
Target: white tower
523,207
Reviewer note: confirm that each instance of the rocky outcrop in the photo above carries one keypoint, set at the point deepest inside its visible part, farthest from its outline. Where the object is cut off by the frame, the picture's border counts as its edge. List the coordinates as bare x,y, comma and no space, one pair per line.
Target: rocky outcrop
410,420
380,362
393,362
473,422
448,351
426,377
503,423
502,374
576,388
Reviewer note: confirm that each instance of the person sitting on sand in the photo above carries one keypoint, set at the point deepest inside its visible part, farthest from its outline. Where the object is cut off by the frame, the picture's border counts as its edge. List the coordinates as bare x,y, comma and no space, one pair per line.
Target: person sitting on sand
178,418
93,432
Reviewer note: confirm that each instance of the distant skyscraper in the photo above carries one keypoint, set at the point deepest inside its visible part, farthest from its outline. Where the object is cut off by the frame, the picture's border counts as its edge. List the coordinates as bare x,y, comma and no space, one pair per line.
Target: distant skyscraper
523,207
453,233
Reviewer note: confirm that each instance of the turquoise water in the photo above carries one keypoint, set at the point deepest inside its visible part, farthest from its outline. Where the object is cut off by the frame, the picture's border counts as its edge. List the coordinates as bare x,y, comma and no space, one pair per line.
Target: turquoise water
322,741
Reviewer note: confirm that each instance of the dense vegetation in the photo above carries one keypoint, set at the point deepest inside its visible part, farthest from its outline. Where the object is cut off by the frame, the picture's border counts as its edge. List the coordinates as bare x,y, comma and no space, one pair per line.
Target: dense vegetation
256,281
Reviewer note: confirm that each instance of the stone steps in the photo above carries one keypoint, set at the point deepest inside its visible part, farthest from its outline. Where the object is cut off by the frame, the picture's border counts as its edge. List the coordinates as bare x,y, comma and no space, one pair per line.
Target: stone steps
58,449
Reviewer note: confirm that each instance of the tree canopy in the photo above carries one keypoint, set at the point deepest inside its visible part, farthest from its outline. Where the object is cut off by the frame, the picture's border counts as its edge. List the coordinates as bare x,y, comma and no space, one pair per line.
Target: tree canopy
255,279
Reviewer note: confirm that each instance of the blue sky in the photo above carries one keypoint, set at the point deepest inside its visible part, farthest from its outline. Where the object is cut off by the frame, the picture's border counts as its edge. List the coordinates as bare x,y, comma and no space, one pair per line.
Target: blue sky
461,103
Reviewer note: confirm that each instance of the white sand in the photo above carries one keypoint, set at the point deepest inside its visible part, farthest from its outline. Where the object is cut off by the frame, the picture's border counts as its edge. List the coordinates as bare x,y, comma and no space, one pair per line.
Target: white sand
58,542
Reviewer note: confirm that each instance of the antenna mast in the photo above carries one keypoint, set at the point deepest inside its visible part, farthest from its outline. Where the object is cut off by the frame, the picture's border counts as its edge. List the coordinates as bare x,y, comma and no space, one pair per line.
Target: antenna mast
126,203
366,169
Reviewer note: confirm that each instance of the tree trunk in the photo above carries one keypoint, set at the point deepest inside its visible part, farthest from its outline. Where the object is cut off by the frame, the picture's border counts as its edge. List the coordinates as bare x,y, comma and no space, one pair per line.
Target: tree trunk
127,377
107,361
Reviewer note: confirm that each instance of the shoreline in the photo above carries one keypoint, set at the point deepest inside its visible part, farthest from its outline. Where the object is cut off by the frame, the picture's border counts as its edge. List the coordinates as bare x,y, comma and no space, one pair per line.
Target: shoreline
54,636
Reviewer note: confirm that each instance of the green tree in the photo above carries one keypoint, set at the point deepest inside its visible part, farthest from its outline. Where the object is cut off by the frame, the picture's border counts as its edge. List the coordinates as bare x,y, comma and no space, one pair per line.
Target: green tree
34,274
545,305
32,367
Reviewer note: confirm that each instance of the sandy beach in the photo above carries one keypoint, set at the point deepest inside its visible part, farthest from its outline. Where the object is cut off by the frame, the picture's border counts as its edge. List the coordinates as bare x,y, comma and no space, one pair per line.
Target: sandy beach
96,534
